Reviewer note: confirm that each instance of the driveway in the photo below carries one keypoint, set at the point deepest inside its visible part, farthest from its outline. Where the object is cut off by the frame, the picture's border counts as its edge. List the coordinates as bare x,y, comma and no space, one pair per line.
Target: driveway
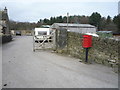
23,68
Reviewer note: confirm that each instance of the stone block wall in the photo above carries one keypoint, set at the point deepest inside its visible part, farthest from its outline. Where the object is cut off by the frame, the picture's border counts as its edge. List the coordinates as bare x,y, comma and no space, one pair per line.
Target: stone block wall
102,50
6,38
75,45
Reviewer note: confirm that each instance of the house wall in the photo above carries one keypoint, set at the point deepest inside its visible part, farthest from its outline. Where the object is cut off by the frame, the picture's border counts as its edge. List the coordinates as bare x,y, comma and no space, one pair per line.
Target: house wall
26,32
0,30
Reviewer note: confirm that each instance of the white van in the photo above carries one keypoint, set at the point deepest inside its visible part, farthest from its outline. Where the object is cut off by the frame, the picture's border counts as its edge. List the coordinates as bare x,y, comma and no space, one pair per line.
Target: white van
41,34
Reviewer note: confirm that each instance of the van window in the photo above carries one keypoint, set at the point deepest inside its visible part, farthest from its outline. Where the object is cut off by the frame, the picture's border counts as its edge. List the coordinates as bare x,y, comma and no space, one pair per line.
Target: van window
42,33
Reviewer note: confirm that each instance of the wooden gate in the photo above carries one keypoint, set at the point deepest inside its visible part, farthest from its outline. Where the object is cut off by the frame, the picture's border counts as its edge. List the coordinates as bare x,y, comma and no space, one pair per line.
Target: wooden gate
45,43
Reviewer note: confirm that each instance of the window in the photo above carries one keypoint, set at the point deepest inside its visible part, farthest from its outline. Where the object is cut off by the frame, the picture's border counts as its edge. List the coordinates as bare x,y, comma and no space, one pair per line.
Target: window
42,33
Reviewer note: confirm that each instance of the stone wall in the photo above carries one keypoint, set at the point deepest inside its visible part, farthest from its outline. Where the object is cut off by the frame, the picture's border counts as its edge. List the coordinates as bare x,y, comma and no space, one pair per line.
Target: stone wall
102,50
6,38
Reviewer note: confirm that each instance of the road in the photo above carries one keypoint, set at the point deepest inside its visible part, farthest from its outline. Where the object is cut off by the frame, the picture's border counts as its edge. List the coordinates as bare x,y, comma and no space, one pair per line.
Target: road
23,68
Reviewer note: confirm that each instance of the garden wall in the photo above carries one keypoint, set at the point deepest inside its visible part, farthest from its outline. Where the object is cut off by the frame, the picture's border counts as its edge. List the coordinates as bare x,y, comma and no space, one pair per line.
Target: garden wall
102,50
5,38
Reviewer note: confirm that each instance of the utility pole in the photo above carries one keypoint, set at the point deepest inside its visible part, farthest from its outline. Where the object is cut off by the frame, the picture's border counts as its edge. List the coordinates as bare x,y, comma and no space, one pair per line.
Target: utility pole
67,29
67,20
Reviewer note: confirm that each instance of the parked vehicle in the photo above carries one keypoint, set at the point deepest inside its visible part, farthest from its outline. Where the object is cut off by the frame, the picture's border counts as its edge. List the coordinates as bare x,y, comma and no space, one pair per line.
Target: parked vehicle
41,34
18,33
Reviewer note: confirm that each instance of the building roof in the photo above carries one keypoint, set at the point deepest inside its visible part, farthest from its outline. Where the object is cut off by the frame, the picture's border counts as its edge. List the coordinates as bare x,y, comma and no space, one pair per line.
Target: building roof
46,26
3,17
72,25
105,31
3,14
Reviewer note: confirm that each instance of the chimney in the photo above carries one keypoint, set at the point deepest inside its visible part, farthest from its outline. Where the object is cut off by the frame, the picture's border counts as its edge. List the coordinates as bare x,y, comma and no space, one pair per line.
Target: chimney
5,10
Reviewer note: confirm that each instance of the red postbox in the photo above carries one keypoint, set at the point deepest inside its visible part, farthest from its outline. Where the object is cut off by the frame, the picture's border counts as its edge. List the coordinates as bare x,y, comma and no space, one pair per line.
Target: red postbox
87,41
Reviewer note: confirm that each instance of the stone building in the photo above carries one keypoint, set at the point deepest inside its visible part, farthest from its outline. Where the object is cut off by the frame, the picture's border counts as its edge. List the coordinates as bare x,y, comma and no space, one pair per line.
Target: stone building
4,22
0,29
5,35
0,23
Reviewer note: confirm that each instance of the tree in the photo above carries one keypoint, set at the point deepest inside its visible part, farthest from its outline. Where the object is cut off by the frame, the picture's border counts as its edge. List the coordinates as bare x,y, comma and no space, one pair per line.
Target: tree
102,25
116,20
108,21
40,21
46,21
95,19
22,25
64,19
75,19
52,20
111,27
70,19
59,19
84,20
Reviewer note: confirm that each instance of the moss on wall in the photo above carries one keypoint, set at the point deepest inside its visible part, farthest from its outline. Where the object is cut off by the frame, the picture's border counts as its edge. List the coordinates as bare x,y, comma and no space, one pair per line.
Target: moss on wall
102,50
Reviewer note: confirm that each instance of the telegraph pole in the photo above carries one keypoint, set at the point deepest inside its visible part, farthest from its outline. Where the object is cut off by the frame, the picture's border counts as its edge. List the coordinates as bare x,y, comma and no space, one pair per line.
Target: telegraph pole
67,29
67,20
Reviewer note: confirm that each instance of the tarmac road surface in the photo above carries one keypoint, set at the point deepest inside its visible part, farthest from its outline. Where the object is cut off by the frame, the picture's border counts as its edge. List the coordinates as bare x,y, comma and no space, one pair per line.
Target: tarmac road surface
23,68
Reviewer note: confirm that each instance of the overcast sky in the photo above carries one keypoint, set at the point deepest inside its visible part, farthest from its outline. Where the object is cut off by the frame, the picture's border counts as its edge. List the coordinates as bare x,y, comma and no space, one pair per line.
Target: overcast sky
33,10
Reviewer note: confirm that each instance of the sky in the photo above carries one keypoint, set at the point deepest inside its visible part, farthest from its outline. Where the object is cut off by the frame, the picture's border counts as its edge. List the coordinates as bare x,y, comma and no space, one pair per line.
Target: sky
34,10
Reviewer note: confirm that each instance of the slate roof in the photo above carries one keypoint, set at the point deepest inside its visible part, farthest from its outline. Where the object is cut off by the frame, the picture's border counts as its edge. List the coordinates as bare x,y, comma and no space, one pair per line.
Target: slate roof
72,25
